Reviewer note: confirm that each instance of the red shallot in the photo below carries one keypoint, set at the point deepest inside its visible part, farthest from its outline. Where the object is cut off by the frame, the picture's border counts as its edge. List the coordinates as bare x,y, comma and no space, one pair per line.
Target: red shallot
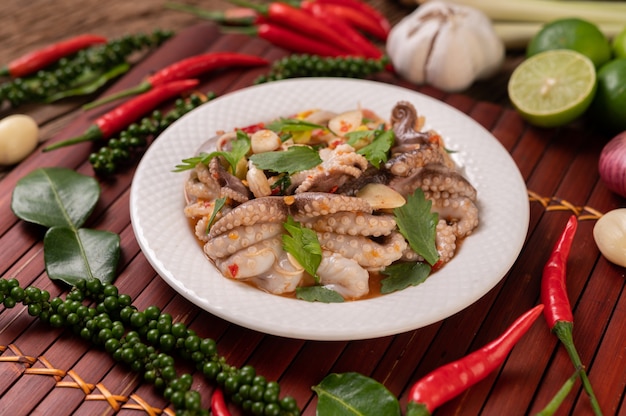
612,164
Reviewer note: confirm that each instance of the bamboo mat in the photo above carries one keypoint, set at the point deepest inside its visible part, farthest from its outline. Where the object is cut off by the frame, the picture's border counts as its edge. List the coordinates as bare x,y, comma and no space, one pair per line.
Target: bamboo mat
46,370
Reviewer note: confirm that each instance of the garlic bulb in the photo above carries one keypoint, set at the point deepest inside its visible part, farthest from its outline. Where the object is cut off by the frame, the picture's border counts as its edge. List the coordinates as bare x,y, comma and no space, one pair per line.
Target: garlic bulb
446,45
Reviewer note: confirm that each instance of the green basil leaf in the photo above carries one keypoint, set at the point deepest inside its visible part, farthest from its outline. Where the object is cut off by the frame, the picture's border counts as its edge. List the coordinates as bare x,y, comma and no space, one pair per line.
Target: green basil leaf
353,394
55,197
418,225
71,255
318,294
403,275
294,159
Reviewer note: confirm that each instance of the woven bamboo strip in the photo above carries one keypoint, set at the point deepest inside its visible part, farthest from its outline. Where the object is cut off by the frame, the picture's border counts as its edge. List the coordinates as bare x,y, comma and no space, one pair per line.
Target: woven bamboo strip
557,204
116,402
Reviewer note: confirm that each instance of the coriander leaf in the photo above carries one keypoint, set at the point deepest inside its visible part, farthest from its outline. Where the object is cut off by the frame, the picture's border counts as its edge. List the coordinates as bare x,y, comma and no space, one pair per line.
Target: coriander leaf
240,146
377,151
318,294
190,162
55,197
303,245
418,225
354,394
218,205
355,137
292,125
403,275
294,159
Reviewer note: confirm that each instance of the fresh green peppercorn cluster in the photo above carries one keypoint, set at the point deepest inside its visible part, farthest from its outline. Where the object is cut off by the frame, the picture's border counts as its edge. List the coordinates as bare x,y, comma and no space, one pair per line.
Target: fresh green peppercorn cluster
304,65
79,71
146,341
108,159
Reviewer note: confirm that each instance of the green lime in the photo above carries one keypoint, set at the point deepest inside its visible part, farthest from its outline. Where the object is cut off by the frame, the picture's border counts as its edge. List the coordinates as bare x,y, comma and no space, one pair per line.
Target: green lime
553,87
619,44
608,108
575,34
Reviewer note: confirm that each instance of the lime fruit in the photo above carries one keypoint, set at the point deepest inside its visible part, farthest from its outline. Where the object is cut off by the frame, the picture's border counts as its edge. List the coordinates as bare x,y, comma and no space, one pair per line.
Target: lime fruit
619,44
574,34
553,87
608,109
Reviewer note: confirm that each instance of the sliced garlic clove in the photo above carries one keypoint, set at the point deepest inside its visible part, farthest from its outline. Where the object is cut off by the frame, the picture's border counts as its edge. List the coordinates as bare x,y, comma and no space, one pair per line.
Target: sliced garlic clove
346,122
381,196
320,116
609,234
257,181
264,141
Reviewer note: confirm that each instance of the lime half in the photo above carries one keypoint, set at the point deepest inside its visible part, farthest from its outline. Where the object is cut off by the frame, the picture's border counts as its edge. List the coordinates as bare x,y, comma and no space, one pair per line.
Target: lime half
553,87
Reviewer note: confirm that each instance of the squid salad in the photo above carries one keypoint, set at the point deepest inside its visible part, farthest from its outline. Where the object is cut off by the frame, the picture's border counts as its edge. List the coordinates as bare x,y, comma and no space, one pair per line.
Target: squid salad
327,206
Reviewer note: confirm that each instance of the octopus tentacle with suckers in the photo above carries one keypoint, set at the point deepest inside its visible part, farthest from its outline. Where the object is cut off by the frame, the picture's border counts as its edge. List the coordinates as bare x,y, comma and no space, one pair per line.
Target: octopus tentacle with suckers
355,227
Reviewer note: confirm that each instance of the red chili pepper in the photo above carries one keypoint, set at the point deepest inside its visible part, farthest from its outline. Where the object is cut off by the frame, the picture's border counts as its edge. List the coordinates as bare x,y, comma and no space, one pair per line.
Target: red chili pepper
357,19
291,41
187,68
36,60
299,20
218,404
122,116
376,16
558,312
452,379
362,45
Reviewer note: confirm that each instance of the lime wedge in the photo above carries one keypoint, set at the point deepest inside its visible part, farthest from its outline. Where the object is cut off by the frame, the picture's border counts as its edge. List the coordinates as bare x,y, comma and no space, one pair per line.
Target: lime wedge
553,87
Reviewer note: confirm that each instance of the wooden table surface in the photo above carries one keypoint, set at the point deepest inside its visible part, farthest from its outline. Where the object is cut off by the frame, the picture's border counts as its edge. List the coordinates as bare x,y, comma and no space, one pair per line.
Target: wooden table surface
50,371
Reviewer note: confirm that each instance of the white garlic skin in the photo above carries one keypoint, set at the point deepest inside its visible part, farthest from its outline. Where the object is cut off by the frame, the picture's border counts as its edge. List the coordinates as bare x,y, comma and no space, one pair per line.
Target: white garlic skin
19,136
446,45
609,234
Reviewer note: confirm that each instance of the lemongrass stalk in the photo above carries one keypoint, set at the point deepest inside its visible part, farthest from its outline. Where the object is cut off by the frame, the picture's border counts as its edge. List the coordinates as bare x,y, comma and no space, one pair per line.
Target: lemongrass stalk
544,11
517,35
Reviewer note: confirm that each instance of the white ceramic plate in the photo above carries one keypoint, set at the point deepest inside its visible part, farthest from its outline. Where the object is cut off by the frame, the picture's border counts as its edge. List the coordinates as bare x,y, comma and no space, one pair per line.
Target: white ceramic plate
156,207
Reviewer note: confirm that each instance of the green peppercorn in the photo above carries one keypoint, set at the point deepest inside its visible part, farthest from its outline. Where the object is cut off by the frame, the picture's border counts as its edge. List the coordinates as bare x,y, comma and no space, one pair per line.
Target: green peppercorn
251,391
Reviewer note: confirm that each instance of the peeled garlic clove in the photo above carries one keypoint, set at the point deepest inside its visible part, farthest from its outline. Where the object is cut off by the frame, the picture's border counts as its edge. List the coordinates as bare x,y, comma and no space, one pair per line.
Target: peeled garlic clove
264,141
381,196
19,136
609,234
345,122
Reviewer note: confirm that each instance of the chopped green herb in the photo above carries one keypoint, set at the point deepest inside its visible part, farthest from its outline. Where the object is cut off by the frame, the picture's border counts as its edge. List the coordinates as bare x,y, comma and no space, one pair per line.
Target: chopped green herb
240,146
292,125
403,275
281,184
294,159
318,294
418,225
303,245
219,204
